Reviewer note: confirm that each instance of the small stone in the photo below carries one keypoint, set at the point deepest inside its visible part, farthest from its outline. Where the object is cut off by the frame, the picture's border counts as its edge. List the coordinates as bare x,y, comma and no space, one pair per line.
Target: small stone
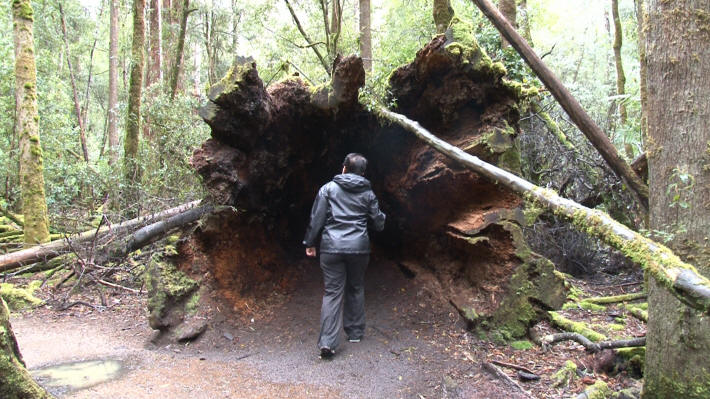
191,329
523,376
228,336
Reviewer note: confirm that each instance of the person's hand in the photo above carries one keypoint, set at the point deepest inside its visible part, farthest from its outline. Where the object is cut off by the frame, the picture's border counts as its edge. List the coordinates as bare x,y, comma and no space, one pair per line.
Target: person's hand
311,251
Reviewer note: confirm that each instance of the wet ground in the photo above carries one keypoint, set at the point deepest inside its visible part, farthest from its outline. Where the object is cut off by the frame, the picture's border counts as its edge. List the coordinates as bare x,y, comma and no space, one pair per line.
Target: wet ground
415,347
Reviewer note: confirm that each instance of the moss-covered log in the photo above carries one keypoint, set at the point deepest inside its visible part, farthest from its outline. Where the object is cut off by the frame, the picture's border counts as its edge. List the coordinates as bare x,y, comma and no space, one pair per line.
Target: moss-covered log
680,278
15,380
616,298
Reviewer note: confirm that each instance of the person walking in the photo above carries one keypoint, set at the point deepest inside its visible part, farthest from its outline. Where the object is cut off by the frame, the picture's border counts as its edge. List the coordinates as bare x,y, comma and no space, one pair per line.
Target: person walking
342,210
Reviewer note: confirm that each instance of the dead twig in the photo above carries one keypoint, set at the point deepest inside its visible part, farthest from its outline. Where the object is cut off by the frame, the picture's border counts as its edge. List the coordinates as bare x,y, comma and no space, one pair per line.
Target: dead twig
498,373
512,366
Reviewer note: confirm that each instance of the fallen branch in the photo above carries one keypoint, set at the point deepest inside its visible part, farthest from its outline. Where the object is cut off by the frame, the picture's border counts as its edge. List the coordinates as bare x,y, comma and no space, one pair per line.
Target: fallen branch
112,285
680,278
575,327
55,248
496,372
584,122
637,312
590,346
616,298
512,366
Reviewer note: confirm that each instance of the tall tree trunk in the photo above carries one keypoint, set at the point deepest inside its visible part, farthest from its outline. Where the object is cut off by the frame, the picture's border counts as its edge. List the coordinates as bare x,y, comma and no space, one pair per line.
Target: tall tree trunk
365,35
443,13
155,73
208,26
133,121
509,11
336,20
15,380
72,79
34,204
525,21
640,21
236,17
620,76
678,56
113,85
177,65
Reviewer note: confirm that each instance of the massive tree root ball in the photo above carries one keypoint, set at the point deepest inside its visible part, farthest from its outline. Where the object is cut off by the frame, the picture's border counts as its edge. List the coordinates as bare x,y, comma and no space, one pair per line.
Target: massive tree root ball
272,148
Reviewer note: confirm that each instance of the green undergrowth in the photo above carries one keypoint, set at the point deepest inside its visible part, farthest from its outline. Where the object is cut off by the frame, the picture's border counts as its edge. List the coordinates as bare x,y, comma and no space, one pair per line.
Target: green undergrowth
18,298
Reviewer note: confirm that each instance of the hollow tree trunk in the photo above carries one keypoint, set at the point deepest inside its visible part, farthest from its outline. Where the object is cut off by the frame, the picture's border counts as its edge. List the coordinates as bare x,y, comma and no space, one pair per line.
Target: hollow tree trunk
679,176
15,380
271,149
34,204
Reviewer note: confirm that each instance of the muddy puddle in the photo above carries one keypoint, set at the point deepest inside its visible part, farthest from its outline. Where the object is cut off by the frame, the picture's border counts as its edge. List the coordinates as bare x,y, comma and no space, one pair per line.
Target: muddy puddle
63,378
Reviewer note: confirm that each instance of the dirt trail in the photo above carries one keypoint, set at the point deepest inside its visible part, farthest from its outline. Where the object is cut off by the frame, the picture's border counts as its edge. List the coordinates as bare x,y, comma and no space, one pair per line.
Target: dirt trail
414,347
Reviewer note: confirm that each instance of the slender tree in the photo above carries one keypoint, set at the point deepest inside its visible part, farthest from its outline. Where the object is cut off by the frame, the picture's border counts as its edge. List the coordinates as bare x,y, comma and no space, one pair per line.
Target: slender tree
365,35
620,76
34,204
177,65
509,11
640,21
236,18
113,84
133,121
155,74
443,13
525,21
678,338
72,80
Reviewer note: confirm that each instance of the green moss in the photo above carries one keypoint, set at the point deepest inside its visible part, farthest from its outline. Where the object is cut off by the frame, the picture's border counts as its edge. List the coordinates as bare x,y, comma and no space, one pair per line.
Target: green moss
191,304
463,45
675,386
599,390
593,307
24,9
20,298
616,327
166,286
575,326
521,345
565,375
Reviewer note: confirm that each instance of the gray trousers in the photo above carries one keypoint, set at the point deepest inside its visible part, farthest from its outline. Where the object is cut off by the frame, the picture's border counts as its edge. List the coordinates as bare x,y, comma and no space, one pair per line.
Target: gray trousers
343,275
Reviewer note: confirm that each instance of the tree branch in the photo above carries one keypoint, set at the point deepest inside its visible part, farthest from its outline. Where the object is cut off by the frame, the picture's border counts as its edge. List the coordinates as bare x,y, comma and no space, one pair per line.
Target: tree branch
308,39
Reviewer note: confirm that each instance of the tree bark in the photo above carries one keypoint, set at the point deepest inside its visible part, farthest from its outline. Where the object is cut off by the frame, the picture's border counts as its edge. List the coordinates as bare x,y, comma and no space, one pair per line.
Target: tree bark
15,380
133,121
34,204
525,21
640,21
56,248
677,34
113,85
443,13
620,76
365,35
509,11
155,74
72,80
596,136
177,65
678,277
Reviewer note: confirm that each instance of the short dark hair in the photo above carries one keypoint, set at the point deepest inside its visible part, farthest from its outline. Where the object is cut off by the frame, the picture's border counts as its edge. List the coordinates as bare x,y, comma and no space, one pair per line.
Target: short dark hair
355,163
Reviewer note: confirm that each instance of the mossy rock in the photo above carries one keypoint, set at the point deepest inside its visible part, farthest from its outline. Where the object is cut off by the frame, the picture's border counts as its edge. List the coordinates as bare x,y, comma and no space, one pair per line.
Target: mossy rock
565,375
169,290
20,298
533,288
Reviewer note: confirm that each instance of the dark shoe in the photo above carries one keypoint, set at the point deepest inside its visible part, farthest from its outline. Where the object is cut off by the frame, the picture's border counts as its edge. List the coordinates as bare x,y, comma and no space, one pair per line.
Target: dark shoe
326,353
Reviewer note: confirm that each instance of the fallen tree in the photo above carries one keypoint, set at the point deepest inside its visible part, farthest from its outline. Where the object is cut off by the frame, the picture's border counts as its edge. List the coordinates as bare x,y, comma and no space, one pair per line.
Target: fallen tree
680,278
44,252
584,122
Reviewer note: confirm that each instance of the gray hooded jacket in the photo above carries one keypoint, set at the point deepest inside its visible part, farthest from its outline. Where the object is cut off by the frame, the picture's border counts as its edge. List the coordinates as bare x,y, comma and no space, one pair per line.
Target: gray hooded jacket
342,209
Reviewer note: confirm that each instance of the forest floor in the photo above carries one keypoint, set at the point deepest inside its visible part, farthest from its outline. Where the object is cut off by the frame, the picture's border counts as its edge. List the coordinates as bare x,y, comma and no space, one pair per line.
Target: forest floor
414,347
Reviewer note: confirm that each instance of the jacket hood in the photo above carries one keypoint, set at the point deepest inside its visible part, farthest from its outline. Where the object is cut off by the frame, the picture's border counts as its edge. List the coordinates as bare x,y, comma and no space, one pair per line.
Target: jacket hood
352,182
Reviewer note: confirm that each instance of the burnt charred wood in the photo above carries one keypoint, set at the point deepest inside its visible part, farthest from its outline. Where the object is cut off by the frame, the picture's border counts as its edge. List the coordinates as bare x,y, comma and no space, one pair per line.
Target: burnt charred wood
584,122
680,278
45,252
